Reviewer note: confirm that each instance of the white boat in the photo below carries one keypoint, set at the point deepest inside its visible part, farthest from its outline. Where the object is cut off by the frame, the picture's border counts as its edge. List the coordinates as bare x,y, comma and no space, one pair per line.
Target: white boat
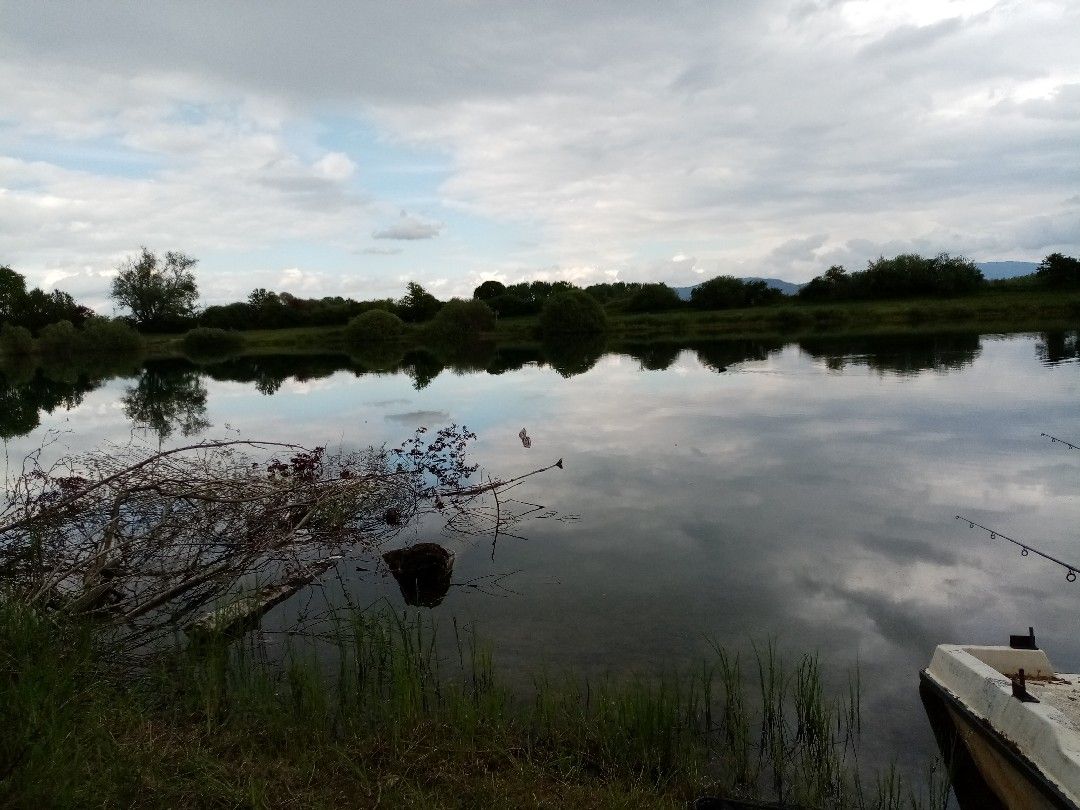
1008,725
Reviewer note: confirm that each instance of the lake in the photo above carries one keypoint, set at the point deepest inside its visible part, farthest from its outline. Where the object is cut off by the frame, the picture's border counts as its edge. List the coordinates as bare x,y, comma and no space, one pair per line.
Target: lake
730,492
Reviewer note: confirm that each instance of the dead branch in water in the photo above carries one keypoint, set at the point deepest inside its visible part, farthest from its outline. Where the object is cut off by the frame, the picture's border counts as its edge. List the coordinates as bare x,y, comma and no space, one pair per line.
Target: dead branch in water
142,539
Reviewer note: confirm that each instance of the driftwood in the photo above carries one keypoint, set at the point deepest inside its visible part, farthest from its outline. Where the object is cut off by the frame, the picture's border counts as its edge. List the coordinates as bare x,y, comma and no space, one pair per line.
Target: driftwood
244,614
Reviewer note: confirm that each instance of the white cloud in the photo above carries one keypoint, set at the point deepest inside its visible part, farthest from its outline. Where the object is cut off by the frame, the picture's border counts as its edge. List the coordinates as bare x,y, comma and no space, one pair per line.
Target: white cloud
409,228
603,132
335,166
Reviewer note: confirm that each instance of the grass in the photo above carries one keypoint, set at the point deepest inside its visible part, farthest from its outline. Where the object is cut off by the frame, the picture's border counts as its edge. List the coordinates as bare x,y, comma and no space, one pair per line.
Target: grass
393,722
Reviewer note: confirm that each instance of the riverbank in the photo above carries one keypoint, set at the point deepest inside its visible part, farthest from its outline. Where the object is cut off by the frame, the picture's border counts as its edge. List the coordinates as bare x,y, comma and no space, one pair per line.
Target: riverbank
990,312
394,724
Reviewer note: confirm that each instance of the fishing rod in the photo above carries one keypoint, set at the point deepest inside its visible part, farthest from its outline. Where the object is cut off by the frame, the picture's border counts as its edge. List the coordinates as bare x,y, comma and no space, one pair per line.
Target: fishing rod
1054,439
1025,548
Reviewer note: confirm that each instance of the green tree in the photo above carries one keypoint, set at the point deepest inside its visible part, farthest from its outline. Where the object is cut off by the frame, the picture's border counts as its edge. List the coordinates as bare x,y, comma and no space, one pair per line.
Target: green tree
158,293
654,298
12,293
1059,270
727,292
488,290
418,304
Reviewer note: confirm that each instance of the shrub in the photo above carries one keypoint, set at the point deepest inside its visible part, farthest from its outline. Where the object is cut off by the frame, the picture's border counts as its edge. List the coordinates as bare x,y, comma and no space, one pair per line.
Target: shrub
828,317
60,338
206,341
15,341
917,314
570,312
790,318
462,320
111,336
374,326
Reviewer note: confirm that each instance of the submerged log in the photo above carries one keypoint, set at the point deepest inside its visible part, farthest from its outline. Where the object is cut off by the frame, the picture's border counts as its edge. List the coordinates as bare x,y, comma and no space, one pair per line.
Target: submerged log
243,615
422,572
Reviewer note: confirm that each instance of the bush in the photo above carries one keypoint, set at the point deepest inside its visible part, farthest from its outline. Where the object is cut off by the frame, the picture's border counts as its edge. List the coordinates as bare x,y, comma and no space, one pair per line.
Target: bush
374,326
206,341
15,341
827,317
60,338
572,312
789,318
462,320
111,336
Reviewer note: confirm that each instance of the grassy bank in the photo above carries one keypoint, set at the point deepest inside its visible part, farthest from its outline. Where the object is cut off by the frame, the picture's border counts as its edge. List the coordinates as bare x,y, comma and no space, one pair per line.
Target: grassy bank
393,724
991,311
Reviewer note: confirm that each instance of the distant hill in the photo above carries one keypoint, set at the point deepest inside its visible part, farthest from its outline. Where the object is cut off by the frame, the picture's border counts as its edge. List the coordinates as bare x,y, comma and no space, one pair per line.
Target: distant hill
995,270
786,287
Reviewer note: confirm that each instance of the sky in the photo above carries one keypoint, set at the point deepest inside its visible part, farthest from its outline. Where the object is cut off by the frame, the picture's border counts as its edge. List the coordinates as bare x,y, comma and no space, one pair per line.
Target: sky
345,148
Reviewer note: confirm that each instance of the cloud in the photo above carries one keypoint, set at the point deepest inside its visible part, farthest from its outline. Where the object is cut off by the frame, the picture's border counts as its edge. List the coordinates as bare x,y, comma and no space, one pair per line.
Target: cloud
382,251
599,135
409,228
335,166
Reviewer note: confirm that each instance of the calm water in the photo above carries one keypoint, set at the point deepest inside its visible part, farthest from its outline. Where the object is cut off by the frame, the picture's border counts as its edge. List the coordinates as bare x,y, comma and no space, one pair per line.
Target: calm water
805,493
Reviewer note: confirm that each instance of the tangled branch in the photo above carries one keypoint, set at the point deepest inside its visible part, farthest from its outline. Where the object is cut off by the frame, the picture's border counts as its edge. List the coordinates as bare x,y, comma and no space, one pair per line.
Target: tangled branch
142,538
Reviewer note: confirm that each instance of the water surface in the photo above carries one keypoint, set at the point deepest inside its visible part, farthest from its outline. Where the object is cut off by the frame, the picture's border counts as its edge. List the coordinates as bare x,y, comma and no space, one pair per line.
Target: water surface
728,492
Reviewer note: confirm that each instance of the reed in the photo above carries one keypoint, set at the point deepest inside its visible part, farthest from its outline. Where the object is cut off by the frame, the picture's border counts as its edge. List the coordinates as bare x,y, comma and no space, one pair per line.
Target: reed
385,708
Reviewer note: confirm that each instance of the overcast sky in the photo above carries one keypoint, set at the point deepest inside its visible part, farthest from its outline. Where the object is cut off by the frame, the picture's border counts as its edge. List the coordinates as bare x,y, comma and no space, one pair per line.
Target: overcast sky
344,148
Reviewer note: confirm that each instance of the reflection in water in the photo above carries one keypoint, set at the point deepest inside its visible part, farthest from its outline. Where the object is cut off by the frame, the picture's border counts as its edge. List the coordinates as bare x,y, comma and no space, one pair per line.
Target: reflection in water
809,506
718,355
376,358
169,396
899,354
27,390
653,356
1058,347
576,355
422,572
269,372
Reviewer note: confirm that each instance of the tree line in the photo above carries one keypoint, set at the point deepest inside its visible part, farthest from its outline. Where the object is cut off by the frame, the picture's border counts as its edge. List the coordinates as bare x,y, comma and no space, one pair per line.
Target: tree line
160,294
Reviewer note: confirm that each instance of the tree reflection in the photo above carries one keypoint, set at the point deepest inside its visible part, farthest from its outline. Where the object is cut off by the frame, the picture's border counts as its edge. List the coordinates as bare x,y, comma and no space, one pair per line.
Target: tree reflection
1058,347
897,354
168,397
512,358
574,355
27,389
422,366
653,356
720,354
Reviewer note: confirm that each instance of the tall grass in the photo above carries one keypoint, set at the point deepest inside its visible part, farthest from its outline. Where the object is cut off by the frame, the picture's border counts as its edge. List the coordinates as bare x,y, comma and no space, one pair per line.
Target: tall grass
393,719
